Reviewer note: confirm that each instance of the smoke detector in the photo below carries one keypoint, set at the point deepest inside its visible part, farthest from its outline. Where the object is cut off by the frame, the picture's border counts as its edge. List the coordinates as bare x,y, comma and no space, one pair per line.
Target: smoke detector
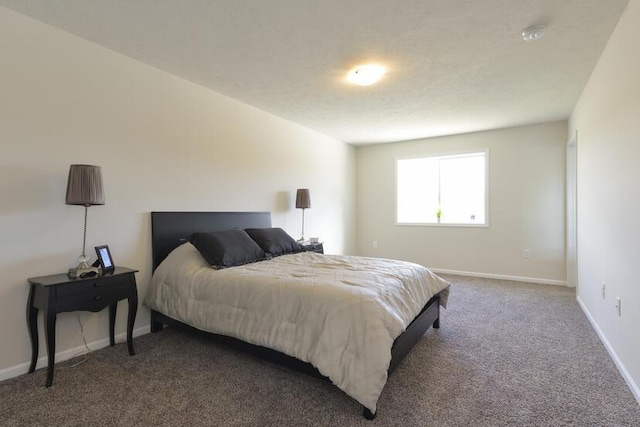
533,33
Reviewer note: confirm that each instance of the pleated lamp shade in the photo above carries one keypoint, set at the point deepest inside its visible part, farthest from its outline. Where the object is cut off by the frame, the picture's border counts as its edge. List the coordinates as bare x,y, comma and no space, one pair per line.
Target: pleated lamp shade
303,200
84,186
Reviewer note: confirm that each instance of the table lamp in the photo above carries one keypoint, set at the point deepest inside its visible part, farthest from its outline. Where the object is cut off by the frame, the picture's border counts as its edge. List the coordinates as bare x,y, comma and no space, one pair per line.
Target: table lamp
84,188
303,201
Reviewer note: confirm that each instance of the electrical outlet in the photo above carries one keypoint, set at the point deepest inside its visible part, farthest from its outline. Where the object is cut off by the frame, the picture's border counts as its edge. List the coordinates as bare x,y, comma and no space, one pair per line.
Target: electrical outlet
526,253
375,244
618,306
603,290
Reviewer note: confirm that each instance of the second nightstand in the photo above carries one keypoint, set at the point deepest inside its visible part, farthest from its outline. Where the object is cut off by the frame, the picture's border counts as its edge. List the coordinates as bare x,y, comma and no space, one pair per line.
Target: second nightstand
313,247
58,294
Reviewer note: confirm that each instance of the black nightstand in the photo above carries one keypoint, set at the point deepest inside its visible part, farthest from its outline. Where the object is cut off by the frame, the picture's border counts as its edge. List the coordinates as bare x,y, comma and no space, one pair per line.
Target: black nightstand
313,247
58,294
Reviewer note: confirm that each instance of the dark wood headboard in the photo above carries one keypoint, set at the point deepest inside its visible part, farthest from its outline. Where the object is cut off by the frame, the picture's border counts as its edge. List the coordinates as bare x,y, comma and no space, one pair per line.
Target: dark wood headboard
169,229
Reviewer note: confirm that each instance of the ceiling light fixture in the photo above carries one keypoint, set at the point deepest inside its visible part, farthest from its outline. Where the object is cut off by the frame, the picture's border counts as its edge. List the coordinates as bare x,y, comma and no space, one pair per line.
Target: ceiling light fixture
533,33
365,75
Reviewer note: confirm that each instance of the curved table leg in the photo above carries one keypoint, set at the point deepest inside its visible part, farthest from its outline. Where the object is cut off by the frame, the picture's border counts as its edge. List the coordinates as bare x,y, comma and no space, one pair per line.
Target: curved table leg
32,324
50,333
112,323
133,309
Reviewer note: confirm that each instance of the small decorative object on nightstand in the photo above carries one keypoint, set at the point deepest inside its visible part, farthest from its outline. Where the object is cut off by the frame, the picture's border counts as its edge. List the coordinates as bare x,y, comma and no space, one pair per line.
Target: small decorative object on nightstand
104,259
58,294
313,247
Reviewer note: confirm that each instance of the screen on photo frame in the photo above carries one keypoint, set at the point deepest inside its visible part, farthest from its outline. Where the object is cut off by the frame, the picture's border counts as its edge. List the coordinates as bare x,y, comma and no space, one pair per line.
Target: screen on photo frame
104,254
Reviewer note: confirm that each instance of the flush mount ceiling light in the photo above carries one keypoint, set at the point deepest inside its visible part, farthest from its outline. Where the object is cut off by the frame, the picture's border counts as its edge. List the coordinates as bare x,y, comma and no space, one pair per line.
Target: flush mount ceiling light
365,75
533,33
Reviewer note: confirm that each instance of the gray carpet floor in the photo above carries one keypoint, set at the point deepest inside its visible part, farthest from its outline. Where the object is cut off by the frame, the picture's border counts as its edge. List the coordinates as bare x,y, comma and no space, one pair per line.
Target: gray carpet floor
507,354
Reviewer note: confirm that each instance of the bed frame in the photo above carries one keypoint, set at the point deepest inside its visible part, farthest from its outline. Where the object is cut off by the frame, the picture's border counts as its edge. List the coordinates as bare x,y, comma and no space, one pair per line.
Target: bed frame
170,229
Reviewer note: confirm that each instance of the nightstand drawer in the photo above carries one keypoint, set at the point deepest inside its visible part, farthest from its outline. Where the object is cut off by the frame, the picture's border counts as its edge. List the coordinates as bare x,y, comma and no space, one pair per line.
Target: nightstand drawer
92,295
98,286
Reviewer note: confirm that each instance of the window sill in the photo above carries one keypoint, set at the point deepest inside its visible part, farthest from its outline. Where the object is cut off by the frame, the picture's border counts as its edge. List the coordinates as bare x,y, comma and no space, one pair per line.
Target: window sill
436,224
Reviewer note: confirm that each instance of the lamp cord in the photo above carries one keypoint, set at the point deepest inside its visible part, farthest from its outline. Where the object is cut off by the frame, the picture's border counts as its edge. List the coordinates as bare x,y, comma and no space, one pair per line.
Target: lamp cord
84,237
81,352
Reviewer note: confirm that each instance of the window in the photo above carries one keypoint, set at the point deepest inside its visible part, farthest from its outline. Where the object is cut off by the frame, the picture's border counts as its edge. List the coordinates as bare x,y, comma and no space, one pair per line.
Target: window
450,190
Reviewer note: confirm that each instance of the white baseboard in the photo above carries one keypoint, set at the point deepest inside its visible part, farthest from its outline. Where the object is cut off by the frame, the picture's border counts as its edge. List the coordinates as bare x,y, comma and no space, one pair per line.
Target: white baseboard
503,277
616,360
23,368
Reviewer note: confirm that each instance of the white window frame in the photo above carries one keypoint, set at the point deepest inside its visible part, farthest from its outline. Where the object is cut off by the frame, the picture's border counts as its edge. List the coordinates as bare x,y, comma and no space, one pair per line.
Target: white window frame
444,155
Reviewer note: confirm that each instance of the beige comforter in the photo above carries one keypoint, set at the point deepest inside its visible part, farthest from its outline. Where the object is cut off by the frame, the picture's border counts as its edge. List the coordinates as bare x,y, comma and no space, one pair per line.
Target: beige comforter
339,313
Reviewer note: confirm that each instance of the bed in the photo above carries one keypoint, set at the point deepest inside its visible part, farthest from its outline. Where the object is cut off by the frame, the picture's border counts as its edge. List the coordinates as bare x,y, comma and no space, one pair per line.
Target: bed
362,331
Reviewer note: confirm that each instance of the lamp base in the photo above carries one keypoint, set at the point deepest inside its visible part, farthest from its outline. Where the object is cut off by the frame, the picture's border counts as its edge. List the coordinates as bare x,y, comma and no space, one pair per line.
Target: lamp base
83,269
75,273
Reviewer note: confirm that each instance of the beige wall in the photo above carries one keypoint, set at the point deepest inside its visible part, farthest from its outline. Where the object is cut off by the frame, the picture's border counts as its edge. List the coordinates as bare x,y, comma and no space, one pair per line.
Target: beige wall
606,119
526,199
163,144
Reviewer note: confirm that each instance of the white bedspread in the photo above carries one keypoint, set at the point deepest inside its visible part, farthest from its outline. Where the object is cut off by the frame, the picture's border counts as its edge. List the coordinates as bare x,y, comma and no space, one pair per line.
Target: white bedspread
339,313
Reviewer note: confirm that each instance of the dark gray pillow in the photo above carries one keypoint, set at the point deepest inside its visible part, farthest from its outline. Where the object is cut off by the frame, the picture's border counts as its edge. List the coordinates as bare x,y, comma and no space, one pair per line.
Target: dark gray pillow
274,241
227,248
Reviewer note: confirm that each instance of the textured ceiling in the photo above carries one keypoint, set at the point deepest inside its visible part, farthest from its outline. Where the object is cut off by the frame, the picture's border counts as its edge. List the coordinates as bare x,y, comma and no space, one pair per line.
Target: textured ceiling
454,66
